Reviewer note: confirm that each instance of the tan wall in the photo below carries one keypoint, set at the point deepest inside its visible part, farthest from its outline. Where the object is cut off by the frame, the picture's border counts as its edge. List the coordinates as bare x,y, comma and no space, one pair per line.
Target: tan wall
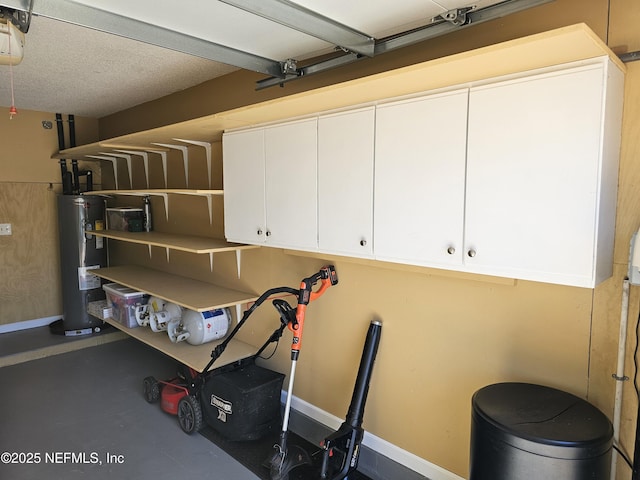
29,182
445,335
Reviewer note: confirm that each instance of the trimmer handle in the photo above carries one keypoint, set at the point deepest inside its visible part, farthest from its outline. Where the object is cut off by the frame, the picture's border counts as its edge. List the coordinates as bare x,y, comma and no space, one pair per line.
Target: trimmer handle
327,275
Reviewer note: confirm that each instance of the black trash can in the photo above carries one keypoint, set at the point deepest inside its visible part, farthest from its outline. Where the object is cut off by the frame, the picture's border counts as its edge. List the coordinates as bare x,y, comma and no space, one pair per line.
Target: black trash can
521,431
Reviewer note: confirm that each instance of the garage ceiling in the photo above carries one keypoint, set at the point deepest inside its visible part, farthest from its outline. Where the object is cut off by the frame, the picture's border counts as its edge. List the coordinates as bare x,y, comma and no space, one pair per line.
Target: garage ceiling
96,57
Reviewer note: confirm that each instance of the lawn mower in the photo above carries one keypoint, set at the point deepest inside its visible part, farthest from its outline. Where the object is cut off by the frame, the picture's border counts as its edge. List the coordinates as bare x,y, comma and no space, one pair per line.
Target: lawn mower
191,395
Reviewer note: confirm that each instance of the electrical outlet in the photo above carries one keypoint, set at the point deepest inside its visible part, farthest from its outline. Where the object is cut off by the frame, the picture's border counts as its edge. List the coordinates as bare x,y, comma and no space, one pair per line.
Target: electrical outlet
5,229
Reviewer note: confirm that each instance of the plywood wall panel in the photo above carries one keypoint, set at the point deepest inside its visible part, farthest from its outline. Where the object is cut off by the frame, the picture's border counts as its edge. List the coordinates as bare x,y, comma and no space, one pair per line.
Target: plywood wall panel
624,21
29,258
628,211
29,182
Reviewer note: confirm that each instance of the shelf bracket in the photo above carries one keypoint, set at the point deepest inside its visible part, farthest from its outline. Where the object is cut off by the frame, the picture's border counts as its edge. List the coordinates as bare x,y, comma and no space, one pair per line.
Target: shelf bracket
166,204
238,260
167,250
185,158
209,204
149,245
129,167
207,149
238,312
211,261
145,158
163,155
113,160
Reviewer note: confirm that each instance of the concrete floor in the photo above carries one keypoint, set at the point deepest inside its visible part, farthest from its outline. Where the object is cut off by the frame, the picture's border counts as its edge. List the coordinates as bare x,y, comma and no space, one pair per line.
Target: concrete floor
81,414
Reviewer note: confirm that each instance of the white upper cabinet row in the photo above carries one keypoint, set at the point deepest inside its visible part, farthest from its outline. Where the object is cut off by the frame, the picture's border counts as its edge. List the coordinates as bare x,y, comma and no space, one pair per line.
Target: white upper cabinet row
514,178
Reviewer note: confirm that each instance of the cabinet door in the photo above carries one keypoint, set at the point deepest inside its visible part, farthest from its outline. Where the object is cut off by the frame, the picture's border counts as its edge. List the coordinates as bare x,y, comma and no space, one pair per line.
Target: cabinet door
291,185
532,176
345,182
419,180
244,193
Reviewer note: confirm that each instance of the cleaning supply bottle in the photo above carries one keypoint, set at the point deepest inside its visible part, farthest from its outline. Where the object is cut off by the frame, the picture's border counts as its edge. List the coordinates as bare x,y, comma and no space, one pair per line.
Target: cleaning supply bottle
146,206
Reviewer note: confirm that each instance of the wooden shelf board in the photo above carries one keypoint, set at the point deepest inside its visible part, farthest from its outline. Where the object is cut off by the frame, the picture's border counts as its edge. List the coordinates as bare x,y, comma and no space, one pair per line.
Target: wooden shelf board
563,45
194,356
157,191
207,129
185,243
186,292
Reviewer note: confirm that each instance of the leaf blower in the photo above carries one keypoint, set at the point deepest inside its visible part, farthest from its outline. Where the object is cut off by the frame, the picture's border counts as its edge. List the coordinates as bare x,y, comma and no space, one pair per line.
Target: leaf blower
341,449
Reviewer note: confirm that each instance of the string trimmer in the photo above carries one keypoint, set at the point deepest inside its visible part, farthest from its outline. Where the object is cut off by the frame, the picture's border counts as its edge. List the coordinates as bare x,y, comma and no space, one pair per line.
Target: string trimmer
288,457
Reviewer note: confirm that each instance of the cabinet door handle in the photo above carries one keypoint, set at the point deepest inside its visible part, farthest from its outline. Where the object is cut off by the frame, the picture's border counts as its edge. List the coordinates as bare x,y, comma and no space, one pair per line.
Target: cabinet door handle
363,243
471,253
268,233
451,250
259,232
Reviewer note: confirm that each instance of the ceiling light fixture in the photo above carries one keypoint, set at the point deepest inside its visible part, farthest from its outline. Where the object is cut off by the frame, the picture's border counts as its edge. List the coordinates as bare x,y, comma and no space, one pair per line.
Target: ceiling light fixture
11,39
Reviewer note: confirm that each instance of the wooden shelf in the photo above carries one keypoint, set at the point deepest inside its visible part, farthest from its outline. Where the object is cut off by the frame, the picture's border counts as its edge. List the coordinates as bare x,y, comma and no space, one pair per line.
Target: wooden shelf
185,243
194,356
184,291
164,193
157,191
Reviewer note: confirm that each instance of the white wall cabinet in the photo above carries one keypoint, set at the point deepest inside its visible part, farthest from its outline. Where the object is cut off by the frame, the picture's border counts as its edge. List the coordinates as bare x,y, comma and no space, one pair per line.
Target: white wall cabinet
291,186
540,200
270,174
345,182
244,186
420,180
512,177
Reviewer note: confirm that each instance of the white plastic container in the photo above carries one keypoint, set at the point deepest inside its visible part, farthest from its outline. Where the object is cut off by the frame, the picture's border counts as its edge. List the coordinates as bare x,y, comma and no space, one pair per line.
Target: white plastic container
123,301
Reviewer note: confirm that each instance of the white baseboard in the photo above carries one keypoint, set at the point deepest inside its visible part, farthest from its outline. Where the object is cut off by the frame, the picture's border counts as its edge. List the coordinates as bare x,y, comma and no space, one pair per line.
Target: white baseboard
38,322
377,444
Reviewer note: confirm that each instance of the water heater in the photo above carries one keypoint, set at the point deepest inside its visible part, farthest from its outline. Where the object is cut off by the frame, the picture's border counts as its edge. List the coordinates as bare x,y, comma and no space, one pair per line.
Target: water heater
80,253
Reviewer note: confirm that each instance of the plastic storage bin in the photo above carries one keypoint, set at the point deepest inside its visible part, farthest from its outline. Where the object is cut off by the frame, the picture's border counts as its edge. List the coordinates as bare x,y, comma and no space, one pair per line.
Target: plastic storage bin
123,301
125,219
526,431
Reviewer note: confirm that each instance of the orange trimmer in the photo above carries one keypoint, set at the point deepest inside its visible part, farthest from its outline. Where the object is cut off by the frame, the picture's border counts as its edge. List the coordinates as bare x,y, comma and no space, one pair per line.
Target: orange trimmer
287,457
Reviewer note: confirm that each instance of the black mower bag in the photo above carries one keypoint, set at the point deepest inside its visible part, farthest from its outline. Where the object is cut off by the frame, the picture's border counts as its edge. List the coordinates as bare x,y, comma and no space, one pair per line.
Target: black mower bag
243,403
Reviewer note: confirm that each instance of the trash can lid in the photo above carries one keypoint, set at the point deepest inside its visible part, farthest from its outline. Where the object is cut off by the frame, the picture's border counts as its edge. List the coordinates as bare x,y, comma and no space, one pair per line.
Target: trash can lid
522,414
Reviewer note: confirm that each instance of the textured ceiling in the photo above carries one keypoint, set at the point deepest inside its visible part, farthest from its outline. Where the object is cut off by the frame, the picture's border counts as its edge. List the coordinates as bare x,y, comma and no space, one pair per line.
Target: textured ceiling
72,69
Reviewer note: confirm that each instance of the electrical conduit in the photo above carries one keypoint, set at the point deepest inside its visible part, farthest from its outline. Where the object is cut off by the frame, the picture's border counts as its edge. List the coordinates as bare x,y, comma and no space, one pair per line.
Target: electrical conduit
619,375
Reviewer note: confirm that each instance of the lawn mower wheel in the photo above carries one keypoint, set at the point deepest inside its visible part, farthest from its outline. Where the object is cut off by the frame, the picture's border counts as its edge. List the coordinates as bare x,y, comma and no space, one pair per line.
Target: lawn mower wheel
189,414
151,389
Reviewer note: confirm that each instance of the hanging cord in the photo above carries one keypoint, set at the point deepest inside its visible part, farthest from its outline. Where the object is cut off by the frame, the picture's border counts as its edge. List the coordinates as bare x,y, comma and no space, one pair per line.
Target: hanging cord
635,359
623,455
